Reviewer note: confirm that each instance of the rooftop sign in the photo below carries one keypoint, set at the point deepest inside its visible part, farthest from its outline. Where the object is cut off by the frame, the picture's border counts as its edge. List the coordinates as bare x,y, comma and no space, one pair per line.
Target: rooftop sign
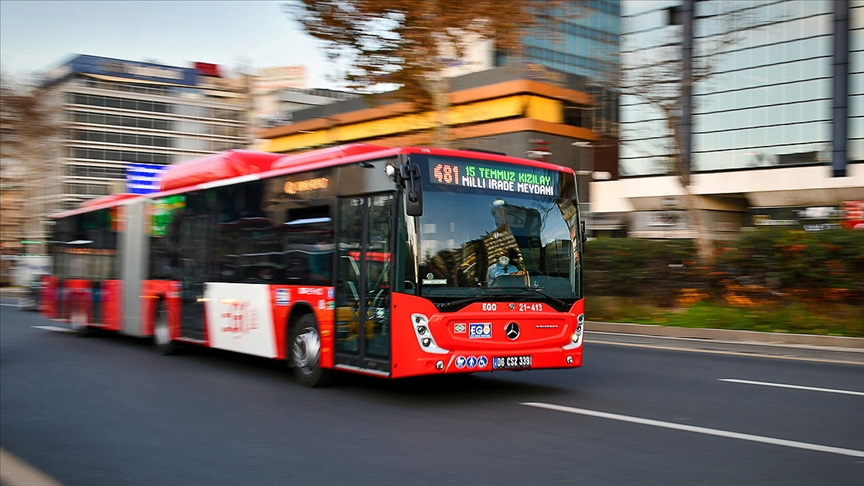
133,70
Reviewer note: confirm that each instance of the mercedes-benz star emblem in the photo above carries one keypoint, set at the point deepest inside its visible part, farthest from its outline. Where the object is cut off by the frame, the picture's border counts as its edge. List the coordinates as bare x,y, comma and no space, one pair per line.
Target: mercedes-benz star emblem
512,331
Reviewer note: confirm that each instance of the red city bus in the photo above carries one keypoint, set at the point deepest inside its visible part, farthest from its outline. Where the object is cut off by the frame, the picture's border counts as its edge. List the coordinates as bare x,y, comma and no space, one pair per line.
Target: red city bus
390,262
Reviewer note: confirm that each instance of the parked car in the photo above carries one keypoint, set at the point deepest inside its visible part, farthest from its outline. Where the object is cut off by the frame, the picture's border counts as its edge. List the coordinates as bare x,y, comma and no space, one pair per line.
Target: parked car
29,297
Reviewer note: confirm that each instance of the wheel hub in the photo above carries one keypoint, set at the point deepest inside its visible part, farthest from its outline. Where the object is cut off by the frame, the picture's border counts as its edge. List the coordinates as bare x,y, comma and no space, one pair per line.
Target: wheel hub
307,347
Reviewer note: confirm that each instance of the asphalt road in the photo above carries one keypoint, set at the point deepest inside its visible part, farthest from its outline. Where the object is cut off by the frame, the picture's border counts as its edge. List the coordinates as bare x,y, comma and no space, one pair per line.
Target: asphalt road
109,410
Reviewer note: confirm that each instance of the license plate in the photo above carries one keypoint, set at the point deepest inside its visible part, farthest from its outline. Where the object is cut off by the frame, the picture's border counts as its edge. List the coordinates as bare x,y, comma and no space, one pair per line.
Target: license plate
511,362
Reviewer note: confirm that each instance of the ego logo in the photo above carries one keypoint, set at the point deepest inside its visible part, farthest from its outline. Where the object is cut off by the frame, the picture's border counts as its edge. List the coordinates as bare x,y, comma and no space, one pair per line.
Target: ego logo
239,319
479,330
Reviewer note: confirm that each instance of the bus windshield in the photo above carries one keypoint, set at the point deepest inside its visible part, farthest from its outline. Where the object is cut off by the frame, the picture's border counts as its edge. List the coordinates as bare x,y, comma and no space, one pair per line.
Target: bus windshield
488,244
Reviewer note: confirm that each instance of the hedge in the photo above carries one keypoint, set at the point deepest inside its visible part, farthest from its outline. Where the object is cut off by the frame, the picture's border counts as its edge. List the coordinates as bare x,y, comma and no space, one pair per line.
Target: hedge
760,266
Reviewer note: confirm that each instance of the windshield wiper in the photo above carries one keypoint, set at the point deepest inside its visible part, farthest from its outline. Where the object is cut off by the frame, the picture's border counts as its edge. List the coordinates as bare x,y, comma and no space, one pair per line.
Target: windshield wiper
461,302
455,303
539,290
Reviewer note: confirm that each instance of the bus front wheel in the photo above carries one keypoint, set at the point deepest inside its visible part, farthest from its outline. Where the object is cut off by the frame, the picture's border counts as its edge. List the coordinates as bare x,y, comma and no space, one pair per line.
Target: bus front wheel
305,353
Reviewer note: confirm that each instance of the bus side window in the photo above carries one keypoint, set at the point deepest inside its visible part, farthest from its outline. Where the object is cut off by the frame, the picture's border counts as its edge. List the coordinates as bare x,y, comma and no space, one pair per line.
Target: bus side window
308,248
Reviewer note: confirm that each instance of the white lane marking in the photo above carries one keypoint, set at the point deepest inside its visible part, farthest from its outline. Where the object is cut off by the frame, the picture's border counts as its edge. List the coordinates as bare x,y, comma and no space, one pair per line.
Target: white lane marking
699,430
53,328
796,387
14,471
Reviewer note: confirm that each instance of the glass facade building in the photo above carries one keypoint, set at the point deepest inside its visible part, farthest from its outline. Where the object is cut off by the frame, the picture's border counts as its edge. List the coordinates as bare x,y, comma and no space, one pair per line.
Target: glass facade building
764,81
582,38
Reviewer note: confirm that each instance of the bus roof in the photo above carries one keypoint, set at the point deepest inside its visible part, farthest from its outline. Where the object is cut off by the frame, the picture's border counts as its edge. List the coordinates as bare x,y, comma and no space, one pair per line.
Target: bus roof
98,203
356,152
109,200
225,166
485,155
230,164
217,167
330,153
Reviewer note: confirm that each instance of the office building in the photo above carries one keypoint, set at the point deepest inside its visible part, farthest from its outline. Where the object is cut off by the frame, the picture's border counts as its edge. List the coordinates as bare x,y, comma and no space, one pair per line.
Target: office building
777,123
122,117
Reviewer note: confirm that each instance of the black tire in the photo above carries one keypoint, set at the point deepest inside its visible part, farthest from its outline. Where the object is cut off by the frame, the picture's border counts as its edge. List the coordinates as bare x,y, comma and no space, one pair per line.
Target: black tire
161,332
305,353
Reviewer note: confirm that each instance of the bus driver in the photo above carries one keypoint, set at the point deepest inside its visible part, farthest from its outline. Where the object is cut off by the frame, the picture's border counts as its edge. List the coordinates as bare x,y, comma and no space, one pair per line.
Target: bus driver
501,267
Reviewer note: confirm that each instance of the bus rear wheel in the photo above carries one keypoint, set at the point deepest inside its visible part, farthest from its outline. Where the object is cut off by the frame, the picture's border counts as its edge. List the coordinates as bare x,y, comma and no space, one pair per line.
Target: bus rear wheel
305,353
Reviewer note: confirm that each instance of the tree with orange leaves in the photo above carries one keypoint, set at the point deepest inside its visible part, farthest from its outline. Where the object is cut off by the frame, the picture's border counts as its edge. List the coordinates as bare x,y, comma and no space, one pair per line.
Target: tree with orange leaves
403,47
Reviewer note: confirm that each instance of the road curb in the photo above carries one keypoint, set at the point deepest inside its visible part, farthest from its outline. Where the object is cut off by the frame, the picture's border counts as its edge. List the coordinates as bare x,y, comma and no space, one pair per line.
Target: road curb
728,335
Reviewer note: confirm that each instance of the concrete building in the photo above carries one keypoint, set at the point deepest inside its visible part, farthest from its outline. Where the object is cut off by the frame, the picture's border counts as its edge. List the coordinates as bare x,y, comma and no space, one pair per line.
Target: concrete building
120,115
265,87
285,101
777,128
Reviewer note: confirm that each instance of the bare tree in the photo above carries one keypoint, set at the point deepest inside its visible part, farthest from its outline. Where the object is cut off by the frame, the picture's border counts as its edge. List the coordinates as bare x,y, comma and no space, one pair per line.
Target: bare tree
654,76
380,45
29,128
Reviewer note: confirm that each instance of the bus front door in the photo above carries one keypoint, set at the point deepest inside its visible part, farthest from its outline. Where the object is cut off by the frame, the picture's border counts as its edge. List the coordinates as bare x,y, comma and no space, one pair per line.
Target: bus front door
363,292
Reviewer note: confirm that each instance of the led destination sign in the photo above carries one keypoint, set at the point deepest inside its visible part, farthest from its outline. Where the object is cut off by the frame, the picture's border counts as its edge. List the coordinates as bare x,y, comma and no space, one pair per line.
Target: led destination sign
493,176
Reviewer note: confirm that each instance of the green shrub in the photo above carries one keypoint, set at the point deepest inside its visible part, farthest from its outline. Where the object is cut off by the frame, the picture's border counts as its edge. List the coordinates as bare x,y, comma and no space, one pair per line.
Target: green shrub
770,265
824,265
630,267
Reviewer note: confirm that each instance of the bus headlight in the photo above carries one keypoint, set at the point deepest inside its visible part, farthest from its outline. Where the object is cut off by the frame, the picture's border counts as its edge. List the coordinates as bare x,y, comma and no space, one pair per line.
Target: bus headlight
576,338
424,336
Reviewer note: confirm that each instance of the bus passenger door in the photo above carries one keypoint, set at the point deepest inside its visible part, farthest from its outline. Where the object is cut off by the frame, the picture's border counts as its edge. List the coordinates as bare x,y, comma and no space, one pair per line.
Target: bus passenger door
195,236
363,291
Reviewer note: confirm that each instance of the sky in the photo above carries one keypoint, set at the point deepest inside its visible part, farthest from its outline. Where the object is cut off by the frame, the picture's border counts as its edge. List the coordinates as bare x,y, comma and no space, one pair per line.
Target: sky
37,35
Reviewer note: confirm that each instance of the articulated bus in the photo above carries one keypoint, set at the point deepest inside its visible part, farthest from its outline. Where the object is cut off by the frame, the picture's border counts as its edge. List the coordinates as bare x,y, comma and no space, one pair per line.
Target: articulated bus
390,262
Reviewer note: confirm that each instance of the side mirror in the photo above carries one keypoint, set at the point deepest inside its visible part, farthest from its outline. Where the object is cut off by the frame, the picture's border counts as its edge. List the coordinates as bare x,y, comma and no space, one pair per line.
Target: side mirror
409,176
583,231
